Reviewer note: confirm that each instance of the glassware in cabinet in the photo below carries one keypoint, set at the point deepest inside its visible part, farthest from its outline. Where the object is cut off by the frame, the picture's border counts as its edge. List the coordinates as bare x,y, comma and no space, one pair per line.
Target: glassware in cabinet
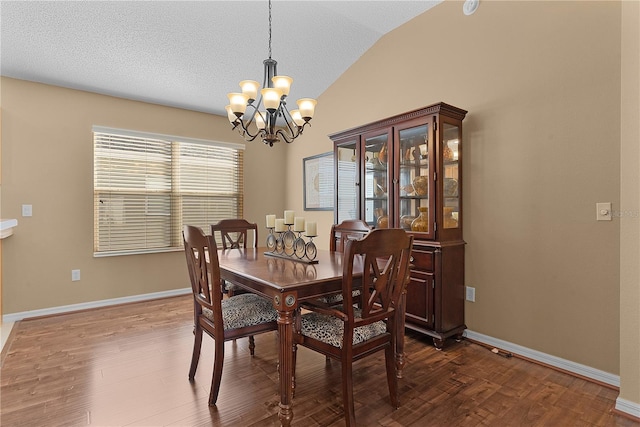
451,186
376,180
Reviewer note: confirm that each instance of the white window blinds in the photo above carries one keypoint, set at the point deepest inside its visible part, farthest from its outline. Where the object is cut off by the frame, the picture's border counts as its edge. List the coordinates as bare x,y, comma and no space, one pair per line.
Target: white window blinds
147,186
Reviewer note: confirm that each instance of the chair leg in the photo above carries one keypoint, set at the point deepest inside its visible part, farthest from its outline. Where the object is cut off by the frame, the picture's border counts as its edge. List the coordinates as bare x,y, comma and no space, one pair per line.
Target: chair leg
252,345
218,361
293,371
195,357
392,379
347,391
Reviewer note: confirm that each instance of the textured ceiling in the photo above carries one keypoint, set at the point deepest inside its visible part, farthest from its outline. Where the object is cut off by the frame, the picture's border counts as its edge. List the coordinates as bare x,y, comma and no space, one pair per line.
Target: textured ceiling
190,54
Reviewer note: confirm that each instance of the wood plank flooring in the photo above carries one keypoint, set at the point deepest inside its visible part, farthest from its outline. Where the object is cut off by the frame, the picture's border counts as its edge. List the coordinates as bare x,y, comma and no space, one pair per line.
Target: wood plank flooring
128,365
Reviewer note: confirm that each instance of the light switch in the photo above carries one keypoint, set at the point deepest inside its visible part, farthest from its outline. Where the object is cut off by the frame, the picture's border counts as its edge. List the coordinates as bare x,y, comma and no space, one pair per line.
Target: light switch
27,210
603,211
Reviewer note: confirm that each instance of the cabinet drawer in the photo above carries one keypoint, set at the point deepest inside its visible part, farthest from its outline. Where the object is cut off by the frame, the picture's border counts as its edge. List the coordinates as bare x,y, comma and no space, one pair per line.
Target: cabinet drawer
422,260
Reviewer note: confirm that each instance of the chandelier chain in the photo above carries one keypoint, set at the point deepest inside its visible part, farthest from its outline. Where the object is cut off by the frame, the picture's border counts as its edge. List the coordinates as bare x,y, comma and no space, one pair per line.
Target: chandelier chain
269,29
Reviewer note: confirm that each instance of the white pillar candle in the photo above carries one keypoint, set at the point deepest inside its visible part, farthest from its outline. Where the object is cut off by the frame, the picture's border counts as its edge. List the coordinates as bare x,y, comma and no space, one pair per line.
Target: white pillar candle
280,225
288,217
271,221
298,223
311,229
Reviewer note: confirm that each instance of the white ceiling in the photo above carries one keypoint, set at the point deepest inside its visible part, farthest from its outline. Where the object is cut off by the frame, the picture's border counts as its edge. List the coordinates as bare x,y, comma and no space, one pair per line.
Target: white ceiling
190,54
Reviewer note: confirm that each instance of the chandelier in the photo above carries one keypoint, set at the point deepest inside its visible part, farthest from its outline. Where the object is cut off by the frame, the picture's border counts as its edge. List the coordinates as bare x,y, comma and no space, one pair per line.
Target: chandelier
267,116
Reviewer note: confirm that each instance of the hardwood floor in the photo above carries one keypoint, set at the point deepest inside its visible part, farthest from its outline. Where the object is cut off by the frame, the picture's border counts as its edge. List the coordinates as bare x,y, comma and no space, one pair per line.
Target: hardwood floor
128,366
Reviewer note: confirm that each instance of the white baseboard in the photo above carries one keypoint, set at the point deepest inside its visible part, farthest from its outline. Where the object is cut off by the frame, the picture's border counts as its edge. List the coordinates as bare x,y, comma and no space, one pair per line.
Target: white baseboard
628,407
547,359
5,331
14,317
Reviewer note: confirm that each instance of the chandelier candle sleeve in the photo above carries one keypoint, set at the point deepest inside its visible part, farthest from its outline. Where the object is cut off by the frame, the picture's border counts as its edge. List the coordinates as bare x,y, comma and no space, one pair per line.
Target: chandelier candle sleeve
311,229
250,88
288,217
298,223
271,221
280,227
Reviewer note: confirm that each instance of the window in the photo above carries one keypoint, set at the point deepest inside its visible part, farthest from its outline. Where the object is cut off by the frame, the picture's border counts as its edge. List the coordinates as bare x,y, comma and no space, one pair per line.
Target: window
146,186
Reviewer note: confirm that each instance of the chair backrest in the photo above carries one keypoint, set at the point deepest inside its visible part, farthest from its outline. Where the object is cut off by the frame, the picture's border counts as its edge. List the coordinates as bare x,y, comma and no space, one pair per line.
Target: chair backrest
350,229
384,256
204,270
234,232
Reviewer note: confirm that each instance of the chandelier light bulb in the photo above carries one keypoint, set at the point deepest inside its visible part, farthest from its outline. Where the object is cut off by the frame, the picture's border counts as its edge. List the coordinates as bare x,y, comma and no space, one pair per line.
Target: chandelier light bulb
283,83
260,115
307,107
238,103
297,117
250,88
271,98
230,114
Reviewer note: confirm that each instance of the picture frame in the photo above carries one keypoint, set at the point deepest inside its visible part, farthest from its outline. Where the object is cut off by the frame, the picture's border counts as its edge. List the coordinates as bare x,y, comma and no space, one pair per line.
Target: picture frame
318,182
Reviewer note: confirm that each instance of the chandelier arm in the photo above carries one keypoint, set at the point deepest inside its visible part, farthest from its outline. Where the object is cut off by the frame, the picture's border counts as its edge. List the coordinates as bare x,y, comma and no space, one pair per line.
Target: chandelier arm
255,110
244,130
286,138
289,138
288,120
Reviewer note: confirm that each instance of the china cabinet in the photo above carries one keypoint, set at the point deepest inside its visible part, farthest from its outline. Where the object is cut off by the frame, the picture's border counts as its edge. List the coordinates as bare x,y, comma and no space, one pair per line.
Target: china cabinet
405,171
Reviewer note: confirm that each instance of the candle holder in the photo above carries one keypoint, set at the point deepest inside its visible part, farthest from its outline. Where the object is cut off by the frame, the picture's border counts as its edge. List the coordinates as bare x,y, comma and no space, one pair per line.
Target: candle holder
285,244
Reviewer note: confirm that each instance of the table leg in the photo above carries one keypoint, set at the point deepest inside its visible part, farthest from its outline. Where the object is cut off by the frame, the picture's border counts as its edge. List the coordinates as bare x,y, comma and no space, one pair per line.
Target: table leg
400,362
285,354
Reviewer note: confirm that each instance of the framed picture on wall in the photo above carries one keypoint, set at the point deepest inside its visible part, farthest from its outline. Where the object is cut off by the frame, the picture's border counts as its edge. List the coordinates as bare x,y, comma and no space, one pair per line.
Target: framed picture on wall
317,172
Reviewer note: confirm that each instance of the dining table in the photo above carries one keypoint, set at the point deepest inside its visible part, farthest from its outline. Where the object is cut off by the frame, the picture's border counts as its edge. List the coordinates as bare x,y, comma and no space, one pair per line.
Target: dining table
287,282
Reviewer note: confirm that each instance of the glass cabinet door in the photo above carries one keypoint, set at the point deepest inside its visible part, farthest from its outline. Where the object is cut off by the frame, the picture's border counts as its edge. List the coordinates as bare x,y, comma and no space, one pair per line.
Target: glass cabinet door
347,192
414,179
376,180
450,187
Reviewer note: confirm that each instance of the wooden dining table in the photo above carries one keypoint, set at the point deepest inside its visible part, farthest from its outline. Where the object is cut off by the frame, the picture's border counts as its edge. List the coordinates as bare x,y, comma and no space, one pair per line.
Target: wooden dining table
288,283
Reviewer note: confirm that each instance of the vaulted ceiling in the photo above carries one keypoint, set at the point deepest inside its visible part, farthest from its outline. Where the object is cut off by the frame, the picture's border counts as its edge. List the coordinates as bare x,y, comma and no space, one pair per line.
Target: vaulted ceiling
190,54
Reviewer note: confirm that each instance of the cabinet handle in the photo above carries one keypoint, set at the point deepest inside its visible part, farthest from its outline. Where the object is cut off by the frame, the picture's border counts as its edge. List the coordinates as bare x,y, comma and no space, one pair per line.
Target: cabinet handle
411,259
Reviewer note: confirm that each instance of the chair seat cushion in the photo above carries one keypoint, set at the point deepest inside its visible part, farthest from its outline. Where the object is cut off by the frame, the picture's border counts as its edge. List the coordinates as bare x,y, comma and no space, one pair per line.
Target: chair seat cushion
330,329
336,298
228,286
244,310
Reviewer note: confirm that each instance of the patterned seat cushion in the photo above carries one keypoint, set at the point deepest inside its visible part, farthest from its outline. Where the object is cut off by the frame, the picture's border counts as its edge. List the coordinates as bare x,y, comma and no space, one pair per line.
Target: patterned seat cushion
244,310
228,286
336,298
330,329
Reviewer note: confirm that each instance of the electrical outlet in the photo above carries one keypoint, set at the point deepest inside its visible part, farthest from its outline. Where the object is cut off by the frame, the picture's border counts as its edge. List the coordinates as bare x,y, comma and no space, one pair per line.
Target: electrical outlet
75,275
27,210
471,294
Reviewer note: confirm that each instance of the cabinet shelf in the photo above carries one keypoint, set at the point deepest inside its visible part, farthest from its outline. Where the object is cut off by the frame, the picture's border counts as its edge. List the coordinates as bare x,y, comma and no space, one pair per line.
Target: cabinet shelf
414,197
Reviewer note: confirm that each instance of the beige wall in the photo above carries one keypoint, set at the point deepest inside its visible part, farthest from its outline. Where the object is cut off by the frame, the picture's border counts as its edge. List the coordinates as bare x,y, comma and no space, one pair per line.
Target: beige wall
541,82
47,157
630,205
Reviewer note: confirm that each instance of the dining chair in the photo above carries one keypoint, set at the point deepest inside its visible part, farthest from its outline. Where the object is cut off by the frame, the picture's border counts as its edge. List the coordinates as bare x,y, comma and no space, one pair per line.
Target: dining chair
234,233
348,333
350,229
221,318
